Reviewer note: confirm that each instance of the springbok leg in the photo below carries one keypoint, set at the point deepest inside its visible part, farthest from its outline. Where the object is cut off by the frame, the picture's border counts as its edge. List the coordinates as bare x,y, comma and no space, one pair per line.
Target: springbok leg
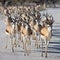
46,46
37,43
6,42
12,45
28,46
19,40
42,48
24,43
14,40
25,50
12,49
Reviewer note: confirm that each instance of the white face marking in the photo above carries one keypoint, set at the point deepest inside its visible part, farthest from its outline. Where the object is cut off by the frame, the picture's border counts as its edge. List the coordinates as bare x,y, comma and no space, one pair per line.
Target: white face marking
22,24
49,28
26,26
12,26
36,22
49,18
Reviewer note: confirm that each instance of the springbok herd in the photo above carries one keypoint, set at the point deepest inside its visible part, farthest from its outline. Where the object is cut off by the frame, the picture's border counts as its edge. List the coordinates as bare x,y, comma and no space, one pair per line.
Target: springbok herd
27,24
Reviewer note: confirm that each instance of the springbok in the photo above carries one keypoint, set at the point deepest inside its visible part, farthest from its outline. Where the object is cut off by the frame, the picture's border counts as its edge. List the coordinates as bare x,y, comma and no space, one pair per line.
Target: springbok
45,35
35,25
26,34
36,29
11,30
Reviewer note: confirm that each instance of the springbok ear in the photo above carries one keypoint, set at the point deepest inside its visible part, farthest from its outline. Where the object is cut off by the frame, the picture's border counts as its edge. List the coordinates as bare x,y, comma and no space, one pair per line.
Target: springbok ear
53,20
51,17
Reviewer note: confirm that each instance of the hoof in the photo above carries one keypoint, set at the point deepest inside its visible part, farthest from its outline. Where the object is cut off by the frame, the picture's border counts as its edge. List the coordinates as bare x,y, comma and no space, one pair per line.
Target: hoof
15,45
21,40
5,46
42,55
39,46
18,45
12,50
23,47
24,54
27,54
45,56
